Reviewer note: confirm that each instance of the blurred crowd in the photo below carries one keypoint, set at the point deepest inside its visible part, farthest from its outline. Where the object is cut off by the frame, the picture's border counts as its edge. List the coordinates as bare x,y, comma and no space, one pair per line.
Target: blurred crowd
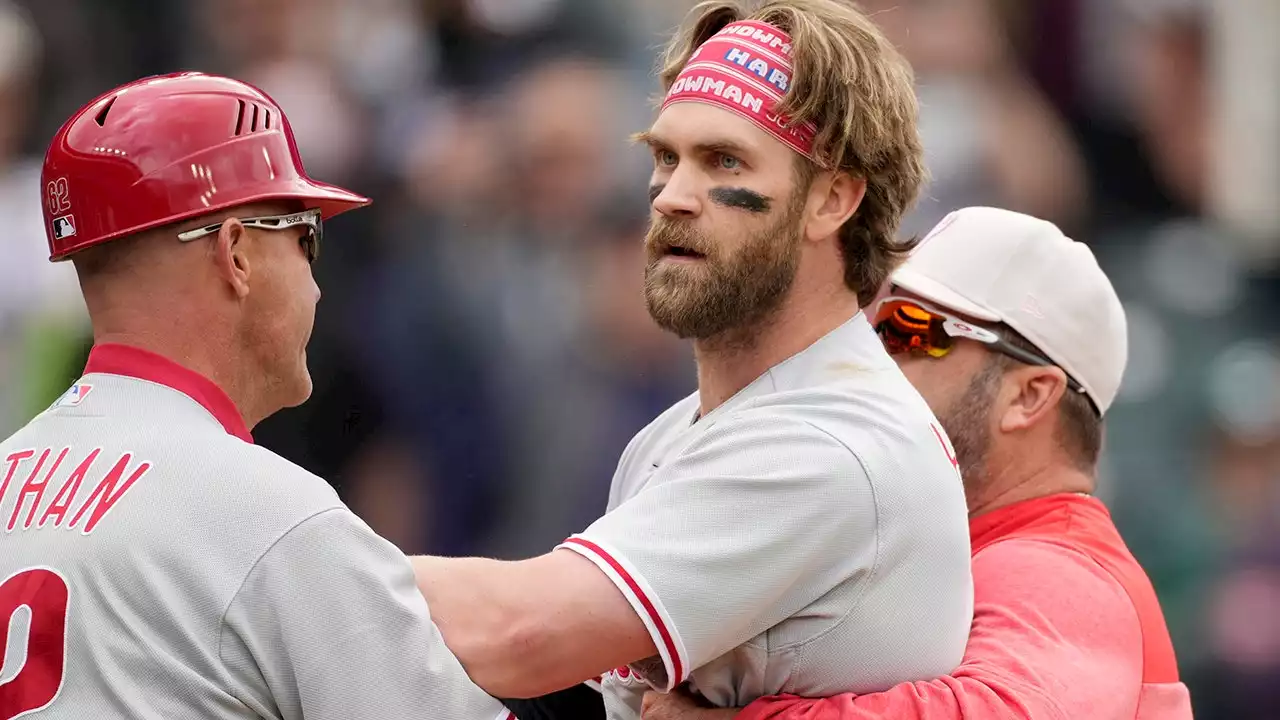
482,352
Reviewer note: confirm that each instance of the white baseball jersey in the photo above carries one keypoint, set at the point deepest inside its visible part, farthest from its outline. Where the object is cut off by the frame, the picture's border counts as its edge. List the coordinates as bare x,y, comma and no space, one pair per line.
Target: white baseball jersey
157,564
808,536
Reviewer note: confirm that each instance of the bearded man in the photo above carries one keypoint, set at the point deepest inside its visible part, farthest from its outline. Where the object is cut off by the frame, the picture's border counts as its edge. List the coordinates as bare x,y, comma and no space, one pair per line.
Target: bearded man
797,525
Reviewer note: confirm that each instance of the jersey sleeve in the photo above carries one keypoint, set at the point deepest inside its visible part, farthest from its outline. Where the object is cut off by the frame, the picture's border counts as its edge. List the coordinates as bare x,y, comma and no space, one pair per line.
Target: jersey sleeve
751,523
331,620
1054,638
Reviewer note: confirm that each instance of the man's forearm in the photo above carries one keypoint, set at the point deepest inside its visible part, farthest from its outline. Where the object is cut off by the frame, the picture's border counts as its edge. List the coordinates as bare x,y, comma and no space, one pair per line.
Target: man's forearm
463,604
947,698
527,628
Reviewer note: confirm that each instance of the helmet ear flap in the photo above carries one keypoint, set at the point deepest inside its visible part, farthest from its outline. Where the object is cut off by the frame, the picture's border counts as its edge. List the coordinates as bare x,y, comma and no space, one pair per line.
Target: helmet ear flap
169,148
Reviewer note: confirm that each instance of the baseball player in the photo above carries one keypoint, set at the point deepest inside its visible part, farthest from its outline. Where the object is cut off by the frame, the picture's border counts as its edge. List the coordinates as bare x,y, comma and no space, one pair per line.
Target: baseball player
798,524
1018,340
156,563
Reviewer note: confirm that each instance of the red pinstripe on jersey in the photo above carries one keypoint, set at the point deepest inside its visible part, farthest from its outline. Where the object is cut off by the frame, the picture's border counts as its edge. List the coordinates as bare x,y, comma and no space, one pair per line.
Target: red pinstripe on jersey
667,640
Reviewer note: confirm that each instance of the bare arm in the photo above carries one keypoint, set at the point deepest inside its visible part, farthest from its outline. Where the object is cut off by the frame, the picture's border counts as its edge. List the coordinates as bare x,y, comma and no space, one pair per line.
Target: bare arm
531,627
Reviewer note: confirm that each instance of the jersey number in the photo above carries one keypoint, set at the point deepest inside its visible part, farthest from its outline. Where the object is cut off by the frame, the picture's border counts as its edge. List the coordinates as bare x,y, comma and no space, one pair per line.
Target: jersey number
31,667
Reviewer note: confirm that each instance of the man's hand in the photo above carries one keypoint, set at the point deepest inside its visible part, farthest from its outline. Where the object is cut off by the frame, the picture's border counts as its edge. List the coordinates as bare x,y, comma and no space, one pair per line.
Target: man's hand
680,704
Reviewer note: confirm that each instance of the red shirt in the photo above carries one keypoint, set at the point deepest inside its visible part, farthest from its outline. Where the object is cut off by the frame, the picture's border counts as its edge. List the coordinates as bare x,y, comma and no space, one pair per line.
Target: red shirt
1066,625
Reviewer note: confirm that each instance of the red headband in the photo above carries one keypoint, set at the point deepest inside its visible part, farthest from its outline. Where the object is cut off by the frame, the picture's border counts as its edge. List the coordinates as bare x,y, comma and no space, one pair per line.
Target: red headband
745,68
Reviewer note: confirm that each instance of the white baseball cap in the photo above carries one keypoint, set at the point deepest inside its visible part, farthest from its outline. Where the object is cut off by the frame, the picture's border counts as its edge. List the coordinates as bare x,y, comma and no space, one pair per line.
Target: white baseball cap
1000,266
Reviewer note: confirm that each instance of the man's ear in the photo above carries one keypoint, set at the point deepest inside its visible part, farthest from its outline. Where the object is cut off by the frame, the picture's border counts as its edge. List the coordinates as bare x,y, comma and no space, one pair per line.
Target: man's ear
833,198
231,254
1037,390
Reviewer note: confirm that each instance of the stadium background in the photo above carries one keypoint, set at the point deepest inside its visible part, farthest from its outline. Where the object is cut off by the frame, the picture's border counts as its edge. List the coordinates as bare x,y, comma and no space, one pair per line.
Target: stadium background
482,353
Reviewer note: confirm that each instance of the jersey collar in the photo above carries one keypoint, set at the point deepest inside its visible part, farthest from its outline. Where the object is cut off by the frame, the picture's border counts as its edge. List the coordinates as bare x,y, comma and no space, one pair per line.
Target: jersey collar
1037,512
851,348
128,361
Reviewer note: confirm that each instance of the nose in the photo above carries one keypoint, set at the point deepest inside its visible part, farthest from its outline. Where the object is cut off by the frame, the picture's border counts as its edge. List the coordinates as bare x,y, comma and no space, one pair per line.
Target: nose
678,198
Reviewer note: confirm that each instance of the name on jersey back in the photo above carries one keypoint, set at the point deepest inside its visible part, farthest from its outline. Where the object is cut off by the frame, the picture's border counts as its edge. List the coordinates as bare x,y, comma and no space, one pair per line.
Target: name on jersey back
65,488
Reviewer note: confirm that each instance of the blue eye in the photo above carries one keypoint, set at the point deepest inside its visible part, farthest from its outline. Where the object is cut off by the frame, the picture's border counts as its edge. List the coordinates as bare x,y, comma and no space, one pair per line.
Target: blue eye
729,162
666,157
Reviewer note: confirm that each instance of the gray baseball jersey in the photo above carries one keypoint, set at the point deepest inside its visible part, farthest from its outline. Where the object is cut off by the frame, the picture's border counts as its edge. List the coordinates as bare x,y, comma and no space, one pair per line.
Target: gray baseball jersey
157,564
808,536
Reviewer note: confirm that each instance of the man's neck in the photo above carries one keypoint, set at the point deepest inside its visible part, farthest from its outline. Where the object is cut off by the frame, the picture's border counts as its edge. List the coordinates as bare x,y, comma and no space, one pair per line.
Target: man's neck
1015,484
730,362
197,357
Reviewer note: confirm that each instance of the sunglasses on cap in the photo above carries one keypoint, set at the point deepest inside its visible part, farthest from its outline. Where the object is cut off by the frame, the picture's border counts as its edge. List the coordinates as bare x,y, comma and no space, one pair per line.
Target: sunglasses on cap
307,218
910,326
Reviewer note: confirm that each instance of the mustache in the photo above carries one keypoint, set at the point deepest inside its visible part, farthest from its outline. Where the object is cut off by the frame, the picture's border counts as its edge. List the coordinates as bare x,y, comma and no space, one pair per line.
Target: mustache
665,234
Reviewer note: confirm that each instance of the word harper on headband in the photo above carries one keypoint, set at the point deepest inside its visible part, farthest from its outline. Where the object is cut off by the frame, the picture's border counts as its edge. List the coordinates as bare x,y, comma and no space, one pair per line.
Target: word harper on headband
746,69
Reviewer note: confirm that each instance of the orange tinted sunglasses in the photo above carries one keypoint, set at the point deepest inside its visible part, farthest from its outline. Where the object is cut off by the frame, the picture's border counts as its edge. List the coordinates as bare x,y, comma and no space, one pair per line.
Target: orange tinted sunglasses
910,326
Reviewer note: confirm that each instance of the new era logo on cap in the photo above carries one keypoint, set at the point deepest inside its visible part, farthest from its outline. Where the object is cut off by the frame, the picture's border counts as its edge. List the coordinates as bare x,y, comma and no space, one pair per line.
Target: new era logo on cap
64,227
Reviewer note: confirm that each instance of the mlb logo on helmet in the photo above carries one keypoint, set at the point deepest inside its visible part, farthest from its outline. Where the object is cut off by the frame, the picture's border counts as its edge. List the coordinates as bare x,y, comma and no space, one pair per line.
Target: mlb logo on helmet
64,227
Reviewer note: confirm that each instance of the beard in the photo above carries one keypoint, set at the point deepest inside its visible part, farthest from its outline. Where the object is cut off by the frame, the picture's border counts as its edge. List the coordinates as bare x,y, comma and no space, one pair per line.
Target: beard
967,422
726,291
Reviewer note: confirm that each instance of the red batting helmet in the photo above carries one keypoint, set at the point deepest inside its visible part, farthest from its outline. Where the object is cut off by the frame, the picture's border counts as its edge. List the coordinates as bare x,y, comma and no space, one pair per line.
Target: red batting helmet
164,149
